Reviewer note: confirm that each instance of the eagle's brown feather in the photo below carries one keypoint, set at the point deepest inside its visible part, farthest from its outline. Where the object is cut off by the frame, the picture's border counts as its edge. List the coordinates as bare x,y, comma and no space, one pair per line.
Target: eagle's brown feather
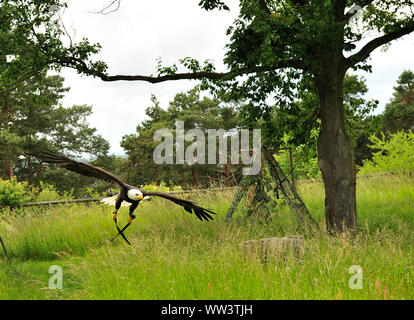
89,170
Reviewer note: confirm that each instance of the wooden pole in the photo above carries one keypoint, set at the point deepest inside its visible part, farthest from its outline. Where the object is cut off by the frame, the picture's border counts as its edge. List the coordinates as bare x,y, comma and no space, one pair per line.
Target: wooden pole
289,193
291,168
4,248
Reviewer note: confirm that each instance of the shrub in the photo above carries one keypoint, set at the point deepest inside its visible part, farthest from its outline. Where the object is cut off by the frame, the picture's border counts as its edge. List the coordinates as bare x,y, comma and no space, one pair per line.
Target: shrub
395,154
163,187
47,192
13,192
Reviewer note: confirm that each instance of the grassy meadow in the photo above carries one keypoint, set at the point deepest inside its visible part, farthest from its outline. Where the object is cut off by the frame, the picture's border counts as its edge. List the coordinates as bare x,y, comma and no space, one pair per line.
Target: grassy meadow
175,256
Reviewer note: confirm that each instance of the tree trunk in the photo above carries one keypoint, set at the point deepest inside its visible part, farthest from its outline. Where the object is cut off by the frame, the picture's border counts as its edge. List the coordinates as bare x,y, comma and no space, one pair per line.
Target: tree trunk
336,155
30,172
9,169
195,178
227,174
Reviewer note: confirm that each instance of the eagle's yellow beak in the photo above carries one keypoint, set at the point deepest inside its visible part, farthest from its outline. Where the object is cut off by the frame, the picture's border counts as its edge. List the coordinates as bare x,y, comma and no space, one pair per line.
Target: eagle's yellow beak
140,197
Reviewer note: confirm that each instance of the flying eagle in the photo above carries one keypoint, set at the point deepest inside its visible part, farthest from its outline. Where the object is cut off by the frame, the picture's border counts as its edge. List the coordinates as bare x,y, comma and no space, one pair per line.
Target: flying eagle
128,193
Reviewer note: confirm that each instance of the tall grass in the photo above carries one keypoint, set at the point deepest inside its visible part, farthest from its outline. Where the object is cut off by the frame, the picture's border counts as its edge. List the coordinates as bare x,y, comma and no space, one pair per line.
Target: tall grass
175,256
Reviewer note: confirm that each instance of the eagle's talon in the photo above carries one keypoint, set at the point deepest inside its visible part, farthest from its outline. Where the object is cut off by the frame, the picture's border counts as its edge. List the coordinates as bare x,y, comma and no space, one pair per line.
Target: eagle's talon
114,217
130,218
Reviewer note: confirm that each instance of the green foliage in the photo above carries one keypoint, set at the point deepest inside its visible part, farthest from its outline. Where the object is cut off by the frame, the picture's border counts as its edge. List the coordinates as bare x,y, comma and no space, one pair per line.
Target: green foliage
66,181
395,154
162,187
31,32
47,192
92,193
13,192
399,113
305,163
213,4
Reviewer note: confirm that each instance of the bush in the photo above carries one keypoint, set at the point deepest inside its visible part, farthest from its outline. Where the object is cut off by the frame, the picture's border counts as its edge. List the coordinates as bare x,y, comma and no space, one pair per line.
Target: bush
163,187
47,192
13,192
395,154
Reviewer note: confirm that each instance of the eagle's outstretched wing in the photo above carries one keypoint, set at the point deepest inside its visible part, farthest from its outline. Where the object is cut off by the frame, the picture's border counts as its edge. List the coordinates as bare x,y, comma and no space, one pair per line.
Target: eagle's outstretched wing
188,205
89,170
83,168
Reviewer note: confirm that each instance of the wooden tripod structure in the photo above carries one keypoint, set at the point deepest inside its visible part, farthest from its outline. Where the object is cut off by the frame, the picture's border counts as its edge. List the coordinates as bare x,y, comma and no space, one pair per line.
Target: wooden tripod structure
286,187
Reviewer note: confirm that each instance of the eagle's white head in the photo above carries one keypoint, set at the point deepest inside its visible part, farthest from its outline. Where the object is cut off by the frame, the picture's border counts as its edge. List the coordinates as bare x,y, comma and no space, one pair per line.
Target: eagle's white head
135,195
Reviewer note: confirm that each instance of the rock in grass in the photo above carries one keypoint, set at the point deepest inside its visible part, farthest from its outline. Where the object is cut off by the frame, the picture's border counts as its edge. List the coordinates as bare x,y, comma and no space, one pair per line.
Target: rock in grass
268,248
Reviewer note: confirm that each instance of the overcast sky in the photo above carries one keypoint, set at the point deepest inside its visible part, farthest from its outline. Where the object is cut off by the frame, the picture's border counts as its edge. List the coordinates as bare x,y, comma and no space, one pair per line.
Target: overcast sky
139,32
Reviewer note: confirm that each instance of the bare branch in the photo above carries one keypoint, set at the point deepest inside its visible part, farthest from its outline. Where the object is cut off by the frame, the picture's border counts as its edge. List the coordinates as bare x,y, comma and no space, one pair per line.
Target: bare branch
102,11
65,30
203,74
177,76
364,53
